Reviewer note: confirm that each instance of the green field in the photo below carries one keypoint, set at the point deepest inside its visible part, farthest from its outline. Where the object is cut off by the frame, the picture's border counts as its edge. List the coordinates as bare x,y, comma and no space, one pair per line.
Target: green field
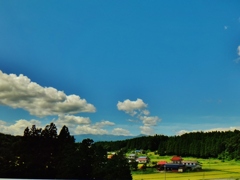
212,169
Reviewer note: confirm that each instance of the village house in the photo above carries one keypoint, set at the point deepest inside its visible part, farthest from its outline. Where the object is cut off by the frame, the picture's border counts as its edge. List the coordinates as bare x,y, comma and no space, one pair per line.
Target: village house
178,165
143,160
132,158
192,165
177,159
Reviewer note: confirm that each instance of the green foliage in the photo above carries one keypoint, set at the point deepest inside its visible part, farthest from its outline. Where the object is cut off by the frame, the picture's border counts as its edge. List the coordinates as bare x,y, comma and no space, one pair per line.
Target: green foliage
118,168
133,165
212,169
197,144
43,154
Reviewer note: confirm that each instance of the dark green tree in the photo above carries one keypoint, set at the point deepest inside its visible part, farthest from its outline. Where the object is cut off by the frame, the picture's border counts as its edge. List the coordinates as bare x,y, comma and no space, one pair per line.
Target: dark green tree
118,168
50,131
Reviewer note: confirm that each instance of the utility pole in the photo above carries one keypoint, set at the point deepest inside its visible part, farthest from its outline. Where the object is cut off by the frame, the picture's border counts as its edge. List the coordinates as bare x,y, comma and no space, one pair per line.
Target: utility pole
164,172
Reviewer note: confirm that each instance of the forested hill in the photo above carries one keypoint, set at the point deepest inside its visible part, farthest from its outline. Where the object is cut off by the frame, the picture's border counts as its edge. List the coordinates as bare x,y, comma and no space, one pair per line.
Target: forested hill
223,145
45,154
42,153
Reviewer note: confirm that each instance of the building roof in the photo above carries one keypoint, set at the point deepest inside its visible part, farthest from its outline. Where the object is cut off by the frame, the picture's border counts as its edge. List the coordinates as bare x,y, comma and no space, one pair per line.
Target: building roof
189,161
132,155
176,158
143,157
162,162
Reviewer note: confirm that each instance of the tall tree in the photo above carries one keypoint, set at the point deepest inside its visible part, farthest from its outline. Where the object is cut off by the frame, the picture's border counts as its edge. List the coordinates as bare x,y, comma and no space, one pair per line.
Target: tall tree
118,168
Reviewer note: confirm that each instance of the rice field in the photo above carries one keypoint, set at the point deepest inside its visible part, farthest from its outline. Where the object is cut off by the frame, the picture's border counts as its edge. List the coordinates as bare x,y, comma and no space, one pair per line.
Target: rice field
213,169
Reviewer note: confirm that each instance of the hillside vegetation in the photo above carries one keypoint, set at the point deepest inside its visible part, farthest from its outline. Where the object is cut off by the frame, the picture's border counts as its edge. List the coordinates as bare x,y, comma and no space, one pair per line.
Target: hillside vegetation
214,169
222,145
46,155
42,153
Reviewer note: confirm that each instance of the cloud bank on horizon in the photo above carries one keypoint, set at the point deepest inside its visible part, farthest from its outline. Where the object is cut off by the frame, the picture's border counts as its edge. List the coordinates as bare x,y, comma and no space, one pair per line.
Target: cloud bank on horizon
20,92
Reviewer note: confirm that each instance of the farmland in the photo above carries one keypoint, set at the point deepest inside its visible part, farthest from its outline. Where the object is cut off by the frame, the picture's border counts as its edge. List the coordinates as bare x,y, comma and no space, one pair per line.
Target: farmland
212,169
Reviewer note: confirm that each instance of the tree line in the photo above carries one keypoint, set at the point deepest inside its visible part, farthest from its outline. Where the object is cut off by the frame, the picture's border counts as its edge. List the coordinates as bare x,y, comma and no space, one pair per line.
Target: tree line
42,153
222,145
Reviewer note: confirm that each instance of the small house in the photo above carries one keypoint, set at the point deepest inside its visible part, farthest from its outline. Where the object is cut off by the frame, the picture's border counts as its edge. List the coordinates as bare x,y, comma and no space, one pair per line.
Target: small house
192,165
175,165
132,157
177,159
143,160
160,165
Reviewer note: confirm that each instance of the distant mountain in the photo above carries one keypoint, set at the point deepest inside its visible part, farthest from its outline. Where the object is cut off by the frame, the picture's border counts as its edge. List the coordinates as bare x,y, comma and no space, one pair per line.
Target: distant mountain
104,137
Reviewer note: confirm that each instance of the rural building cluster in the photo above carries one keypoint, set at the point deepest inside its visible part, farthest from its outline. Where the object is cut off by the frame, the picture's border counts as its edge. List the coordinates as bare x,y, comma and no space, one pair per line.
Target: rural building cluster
177,164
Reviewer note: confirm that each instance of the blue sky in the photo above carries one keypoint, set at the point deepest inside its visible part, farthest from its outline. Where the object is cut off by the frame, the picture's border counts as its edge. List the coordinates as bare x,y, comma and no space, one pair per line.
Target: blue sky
120,67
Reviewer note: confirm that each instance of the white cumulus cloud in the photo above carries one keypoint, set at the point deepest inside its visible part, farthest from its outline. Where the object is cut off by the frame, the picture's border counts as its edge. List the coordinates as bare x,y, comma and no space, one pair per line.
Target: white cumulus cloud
130,107
139,108
147,130
121,131
19,127
97,128
76,125
20,92
104,123
71,120
146,112
89,129
150,120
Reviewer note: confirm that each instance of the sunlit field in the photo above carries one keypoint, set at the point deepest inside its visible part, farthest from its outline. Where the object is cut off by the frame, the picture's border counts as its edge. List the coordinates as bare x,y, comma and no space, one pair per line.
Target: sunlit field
212,169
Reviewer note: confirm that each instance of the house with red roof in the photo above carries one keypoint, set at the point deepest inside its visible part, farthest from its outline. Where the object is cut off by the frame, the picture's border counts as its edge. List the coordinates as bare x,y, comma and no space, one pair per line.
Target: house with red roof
177,159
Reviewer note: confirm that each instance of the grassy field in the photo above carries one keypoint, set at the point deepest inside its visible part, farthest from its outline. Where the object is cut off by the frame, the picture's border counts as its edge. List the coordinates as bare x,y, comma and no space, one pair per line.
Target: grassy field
212,169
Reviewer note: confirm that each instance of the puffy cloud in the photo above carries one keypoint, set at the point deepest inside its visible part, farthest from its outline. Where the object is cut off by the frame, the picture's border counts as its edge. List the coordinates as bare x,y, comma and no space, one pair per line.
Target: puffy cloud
71,120
19,127
104,123
82,125
88,129
138,108
96,128
148,123
120,131
76,125
20,92
2,123
145,112
147,130
130,107
150,120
